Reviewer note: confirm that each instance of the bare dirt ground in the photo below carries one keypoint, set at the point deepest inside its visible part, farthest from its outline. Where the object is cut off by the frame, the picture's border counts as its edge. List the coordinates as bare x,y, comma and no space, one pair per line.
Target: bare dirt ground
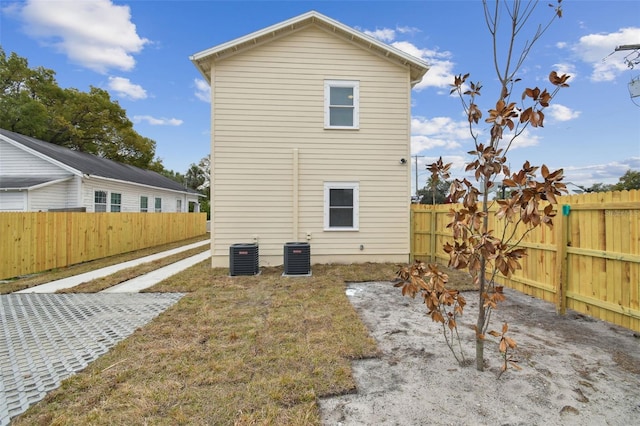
575,370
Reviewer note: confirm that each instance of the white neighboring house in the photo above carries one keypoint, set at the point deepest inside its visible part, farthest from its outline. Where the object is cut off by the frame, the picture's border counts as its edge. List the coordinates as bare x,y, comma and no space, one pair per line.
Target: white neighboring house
41,176
310,141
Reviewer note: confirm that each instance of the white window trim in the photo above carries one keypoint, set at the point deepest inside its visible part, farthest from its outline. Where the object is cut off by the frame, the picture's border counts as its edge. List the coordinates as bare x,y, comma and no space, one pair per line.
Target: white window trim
328,84
105,204
155,205
144,209
356,205
111,203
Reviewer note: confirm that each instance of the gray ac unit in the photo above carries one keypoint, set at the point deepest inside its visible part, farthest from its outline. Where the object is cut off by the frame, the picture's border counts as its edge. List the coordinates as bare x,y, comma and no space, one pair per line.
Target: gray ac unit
297,259
243,259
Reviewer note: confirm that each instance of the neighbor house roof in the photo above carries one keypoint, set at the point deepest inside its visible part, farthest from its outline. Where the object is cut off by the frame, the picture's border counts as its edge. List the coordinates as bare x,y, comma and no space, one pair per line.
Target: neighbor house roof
86,164
417,67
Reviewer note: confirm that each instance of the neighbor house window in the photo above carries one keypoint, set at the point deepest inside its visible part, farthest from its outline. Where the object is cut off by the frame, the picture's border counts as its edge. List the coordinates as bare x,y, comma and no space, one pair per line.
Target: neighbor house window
100,201
179,206
116,202
144,204
158,208
341,104
341,206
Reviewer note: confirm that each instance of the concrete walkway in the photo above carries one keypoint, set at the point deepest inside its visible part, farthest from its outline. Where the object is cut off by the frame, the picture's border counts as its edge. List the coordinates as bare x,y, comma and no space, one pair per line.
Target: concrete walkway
154,277
53,286
45,338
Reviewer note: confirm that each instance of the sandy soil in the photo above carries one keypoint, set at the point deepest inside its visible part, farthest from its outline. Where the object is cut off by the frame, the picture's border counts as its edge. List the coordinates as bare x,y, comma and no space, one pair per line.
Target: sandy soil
576,370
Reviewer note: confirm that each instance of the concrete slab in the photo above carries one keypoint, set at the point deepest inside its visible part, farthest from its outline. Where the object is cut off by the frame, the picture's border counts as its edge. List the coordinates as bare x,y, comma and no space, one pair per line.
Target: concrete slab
152,278
53,286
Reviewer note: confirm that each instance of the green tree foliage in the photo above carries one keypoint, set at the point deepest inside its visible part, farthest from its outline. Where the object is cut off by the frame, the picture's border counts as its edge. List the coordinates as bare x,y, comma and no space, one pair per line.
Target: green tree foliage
441,192
630,180
32,103
198,178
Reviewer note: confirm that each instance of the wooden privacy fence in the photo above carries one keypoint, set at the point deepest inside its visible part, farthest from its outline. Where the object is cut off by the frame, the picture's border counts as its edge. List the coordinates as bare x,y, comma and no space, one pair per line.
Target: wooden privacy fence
39,241
589,261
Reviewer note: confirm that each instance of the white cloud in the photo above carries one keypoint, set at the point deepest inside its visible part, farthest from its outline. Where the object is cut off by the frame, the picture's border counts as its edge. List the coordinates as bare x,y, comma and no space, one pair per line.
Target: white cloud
384,34
157,121
608,173
96,34
524,140
440,67
597,49
125,89
561,113
438,132
203,90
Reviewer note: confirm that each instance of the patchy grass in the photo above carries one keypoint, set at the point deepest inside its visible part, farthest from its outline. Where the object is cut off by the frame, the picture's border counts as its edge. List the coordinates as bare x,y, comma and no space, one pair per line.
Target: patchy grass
47,276
241,350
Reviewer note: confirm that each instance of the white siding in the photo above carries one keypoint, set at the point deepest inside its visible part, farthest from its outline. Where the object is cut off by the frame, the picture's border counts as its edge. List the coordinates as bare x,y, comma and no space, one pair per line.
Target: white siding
268,102
12,201
131,194
17,162
56,196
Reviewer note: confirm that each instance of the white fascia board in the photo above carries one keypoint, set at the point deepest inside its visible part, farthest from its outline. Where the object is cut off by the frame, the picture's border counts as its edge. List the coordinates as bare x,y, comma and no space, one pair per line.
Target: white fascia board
41,156
51,182
312,15
128,182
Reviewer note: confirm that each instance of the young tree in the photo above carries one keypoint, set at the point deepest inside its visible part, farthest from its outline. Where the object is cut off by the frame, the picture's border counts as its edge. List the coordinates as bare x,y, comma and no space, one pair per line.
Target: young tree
475,247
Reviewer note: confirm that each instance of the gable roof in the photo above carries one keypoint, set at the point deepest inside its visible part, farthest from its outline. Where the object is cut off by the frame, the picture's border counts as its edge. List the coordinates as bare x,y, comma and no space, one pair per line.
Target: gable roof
88,164
417,67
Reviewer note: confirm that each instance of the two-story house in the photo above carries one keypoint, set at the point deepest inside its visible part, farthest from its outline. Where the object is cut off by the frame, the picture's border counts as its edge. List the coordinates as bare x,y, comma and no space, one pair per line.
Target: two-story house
310,142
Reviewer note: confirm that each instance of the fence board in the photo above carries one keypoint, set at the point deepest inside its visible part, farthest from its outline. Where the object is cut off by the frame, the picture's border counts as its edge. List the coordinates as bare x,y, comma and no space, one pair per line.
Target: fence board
590,263
38,241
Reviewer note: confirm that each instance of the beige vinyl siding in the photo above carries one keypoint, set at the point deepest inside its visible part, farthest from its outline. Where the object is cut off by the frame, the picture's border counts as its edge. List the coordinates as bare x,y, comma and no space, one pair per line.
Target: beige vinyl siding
268,101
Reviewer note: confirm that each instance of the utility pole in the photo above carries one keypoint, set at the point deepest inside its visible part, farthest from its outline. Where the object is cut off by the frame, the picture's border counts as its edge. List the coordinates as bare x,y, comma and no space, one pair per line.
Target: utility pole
416,157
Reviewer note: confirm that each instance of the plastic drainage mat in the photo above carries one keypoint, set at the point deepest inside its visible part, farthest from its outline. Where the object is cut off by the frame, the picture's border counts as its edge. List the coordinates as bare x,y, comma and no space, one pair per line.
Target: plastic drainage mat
45,338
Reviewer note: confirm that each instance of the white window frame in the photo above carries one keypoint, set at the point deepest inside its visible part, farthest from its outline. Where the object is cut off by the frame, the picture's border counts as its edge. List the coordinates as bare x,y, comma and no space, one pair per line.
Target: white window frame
178,205
355,186
115,207
328,84
157,208
96,204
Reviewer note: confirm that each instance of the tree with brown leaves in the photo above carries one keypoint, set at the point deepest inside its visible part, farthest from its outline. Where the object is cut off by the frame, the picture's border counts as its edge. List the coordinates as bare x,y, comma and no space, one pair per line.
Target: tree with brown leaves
475,247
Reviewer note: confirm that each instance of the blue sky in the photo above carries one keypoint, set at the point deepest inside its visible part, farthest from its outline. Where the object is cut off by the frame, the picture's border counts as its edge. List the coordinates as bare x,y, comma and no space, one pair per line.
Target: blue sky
139,51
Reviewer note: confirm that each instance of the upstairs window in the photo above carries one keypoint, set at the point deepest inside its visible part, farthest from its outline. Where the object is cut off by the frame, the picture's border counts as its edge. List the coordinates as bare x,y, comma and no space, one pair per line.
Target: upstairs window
341,205
116,202
341,104
100,201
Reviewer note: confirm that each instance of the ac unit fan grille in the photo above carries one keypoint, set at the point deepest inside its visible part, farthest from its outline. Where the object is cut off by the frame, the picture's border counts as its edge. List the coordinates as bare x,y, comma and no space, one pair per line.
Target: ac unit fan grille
243,259
297,259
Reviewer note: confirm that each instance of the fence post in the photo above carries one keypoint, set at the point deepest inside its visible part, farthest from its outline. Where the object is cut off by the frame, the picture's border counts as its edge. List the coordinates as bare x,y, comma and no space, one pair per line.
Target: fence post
432,234
562,261
412,233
